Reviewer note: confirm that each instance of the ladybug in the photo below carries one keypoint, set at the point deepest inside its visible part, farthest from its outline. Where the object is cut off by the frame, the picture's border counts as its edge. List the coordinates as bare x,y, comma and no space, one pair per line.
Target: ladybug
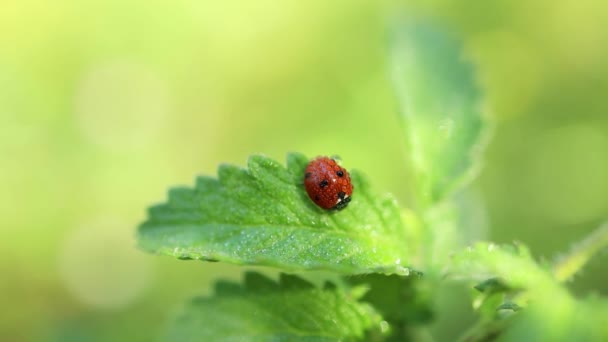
327,183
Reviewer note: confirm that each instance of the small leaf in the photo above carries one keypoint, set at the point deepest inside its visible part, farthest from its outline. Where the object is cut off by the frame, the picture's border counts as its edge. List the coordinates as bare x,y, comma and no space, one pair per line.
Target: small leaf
509,306
262,216
440,107
551,313
492,285
514,266
490,296
294,311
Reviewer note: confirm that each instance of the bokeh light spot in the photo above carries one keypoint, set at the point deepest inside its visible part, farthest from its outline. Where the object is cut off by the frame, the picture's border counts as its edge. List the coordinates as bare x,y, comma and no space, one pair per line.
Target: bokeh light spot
101,266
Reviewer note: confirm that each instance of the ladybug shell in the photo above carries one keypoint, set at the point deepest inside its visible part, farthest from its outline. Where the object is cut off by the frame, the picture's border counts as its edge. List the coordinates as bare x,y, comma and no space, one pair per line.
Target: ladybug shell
327,183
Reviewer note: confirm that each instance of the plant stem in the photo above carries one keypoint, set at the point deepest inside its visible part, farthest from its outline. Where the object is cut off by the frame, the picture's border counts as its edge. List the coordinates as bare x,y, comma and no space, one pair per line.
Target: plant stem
578,256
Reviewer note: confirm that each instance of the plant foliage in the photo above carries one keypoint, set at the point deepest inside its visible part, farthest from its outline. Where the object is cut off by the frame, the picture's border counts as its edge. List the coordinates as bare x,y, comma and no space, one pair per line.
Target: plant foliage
261,215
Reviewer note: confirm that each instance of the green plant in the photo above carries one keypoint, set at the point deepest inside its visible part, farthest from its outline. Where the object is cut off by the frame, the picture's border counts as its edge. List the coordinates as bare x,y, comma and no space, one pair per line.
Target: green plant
386,260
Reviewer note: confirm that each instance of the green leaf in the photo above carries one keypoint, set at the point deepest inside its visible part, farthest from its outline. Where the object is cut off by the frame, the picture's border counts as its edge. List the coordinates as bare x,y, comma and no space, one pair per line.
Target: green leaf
262,216
262,310
440,107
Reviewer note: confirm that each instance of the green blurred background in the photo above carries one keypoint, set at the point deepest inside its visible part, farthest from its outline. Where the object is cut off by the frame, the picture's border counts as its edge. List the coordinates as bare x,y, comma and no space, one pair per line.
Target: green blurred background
105,104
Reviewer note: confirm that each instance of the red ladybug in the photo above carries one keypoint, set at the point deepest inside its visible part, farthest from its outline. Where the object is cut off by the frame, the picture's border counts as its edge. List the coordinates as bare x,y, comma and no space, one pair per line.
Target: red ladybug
327,183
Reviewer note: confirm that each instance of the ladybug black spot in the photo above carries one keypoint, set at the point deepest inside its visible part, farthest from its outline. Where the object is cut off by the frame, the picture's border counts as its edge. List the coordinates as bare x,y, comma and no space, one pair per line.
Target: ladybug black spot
307,175
323,183
340,173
